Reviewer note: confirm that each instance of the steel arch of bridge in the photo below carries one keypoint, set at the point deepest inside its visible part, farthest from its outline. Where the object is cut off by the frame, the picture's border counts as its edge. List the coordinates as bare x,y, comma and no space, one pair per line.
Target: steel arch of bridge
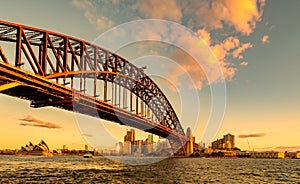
61,59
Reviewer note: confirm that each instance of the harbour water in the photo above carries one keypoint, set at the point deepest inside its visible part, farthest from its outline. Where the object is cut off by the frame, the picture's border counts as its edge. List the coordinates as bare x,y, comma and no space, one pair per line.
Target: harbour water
15,169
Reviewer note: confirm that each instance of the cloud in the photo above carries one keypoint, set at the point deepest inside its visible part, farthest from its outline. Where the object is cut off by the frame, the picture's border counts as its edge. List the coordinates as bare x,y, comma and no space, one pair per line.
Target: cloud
230,46
220,24
211,15
221,50
104,23
244,63
265,39
241,15
90,12
252,135
237,53
31,121
83,4
159,9
205,36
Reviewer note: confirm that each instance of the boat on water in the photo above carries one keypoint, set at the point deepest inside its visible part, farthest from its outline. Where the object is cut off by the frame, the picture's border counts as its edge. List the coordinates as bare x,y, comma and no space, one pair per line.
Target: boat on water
87,155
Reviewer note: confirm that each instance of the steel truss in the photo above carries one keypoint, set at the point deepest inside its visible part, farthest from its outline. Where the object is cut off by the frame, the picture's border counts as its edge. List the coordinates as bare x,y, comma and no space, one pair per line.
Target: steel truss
63,59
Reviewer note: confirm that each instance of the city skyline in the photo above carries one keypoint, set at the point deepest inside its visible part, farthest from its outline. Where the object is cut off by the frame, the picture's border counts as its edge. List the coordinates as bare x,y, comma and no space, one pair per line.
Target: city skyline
260,60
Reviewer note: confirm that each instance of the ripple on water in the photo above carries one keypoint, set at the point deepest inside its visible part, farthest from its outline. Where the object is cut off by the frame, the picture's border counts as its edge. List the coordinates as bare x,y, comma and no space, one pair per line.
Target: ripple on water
187,170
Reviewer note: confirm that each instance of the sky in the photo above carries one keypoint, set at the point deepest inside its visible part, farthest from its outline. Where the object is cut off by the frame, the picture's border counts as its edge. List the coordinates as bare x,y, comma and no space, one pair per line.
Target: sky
255,44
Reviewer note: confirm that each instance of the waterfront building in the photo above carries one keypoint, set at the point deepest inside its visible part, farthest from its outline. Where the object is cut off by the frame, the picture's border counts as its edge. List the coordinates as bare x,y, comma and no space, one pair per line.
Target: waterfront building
150,148
223,154
138,146
217,144
297,154
86,147
201,145
293,155
150,138
106,152
227,142
243,154
127,148
40,149
31,146
119,148
208,150
267,154
64,149
130,136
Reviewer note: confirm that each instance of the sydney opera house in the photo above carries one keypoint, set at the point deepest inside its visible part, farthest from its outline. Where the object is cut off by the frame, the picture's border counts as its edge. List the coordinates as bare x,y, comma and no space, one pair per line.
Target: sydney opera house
40,149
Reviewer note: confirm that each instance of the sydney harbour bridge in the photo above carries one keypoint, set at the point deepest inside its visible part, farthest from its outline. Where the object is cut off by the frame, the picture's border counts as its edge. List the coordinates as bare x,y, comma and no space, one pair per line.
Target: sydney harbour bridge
53,69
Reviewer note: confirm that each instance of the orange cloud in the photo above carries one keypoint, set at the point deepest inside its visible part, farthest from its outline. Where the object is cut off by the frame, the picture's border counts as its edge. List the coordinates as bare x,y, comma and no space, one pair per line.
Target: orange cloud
231,43
204,16
230,46
252,135
221,50
265,39
205,36
31,121
228,70
244,63
237,53
242,15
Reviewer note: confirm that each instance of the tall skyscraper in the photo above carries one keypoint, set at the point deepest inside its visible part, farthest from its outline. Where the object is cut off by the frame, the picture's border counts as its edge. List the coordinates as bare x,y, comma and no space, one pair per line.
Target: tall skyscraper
119,148
129,136
127,148
150,138
190,143
129,139
189,132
